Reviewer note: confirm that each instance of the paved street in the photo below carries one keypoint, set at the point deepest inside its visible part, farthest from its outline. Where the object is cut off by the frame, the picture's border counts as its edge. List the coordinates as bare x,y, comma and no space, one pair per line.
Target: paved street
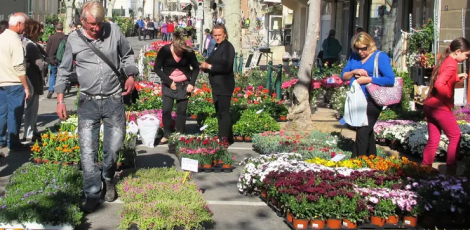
232,211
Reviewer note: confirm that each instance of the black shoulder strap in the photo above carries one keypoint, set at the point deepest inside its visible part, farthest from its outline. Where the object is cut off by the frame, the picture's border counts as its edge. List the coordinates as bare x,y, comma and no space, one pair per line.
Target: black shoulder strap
99,53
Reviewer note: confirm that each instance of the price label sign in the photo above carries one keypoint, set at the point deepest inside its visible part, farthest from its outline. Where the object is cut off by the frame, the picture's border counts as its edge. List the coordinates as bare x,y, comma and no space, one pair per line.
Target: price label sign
338,157
330,80
203,127
189,164
259,111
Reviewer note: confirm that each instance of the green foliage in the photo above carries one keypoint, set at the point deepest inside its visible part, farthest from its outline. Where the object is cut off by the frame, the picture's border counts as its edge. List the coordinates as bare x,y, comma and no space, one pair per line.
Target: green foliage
51,19
384,208
44,195
252,123
212,126
48,31
254,77
125,24
156,199
422,40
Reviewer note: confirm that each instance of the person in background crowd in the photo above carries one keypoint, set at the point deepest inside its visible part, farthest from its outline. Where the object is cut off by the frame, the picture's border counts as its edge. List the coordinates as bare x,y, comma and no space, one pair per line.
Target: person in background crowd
3,26
78,25
177,66
51,49
101,97
360,68
35,62
219,65
109,20
155,27
141,25
170,30
150,28
440,101
331,49
164,31
14,88
207,42
72,27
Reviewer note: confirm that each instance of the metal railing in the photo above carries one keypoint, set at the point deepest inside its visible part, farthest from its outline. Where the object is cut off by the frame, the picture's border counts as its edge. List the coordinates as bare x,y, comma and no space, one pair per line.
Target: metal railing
278,82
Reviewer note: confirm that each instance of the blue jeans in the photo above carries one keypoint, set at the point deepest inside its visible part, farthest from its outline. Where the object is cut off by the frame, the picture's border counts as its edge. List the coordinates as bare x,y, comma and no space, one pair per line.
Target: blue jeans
11,114
52,77
90,113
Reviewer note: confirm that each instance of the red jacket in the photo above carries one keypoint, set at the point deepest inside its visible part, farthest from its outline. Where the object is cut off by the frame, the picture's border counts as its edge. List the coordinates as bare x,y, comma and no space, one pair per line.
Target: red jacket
171,28
442,96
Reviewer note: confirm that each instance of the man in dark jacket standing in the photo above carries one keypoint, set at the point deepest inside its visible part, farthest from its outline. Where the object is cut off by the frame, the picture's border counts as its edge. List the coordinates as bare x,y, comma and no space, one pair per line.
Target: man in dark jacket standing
51,50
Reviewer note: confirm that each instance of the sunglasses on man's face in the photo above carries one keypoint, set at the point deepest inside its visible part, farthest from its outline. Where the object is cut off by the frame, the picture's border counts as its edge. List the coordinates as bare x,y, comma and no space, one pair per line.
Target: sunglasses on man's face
362,48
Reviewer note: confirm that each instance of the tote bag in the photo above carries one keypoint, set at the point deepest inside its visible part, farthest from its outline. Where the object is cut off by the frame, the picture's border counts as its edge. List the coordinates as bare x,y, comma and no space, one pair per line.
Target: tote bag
355,108
385,95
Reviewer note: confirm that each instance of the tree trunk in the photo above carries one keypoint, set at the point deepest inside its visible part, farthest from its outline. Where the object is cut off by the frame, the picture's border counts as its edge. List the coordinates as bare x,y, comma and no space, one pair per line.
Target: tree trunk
300,112
110,6
69,5
233,23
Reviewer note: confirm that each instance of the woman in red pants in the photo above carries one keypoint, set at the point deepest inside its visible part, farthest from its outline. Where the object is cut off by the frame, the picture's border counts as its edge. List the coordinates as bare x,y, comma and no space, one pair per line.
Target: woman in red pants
440,102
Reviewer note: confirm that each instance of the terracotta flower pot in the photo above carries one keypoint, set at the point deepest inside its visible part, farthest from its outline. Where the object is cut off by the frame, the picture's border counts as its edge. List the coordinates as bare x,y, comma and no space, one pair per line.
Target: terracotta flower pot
65,163
56,162
225,166
238,138
283,118
264,193
118,165
37,160
379,221
333,223
45,161
410,220
247,139
207,166
289,217
317,224
392,220
349,224
193,116
300,224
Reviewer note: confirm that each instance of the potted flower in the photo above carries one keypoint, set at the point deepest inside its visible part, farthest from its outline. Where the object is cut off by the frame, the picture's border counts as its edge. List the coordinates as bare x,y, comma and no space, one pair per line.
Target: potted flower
286,59
382,210
36,153
353,211
283,114
332,212
206,161
227,160
317,205
300,212
411,217
238,131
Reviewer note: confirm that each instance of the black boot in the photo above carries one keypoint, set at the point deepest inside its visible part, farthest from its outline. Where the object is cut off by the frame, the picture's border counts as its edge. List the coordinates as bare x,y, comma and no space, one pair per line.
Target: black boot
49,95
90,205
111,194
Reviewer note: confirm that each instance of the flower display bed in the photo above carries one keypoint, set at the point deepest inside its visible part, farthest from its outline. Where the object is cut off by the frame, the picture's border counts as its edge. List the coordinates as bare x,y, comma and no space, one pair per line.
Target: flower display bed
411,137
157,199
211,153
391,190
42,197
308,144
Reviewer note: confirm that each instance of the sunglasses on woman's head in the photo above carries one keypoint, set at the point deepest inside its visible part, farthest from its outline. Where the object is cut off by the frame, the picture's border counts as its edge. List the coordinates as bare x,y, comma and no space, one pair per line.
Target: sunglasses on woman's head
362,48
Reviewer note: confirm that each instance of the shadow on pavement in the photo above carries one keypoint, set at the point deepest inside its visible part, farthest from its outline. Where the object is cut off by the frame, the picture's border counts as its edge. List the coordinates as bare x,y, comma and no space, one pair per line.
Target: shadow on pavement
13,161
157,160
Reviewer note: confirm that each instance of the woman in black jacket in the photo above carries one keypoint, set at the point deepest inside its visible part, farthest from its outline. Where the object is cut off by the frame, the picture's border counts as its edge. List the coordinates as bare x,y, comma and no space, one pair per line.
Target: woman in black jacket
219,65
172,65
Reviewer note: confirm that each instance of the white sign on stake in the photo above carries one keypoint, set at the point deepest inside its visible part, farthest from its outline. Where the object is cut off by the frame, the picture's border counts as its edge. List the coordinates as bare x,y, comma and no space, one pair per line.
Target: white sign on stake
203,127
259,111
338,157
189,164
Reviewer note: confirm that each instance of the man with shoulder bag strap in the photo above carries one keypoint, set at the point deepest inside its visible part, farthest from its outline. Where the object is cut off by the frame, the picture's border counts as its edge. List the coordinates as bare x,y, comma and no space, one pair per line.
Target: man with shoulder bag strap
98,52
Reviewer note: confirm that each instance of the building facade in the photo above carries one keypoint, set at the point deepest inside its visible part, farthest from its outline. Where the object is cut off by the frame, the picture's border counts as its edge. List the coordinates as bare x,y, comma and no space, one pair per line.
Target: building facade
37,9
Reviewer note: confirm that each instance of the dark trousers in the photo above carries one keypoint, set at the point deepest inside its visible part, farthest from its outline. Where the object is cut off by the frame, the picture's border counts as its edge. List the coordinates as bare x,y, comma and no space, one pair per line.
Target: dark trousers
365,139
90,114
167,107
140,33
222,109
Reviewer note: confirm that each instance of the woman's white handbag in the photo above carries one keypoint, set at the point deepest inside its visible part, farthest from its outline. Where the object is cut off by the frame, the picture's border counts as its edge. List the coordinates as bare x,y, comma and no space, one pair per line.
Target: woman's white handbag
355,108
148,127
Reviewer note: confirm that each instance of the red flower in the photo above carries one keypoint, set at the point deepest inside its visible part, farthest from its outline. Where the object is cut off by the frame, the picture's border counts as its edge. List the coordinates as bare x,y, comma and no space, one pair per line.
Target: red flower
333,154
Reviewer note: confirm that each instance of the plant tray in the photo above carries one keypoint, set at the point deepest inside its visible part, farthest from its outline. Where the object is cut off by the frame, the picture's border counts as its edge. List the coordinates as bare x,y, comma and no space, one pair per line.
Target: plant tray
277,210
362,226
34,226
216,169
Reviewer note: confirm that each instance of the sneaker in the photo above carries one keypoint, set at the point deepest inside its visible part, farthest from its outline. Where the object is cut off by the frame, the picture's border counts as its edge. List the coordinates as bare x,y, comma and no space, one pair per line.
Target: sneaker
49,95
90,205
21,147
111,194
